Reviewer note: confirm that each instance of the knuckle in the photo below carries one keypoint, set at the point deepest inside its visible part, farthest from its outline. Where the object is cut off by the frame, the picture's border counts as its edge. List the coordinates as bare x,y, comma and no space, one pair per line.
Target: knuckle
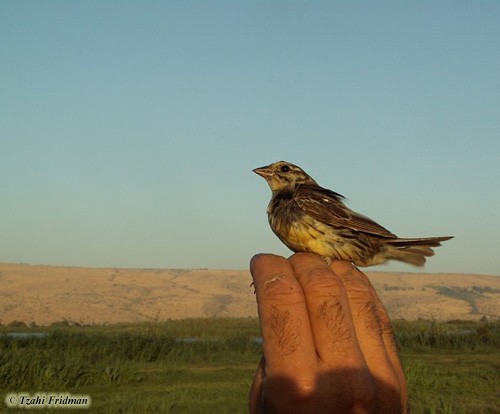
365,393
342,266
357,281
300,395
365,401
320,281
278,289
306,385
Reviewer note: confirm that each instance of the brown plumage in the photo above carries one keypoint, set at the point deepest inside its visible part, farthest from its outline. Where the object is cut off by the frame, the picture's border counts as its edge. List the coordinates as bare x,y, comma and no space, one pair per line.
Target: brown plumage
310,218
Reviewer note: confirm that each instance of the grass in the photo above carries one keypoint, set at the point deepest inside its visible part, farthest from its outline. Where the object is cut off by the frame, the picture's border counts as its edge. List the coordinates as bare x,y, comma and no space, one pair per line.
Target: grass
457,382
157,367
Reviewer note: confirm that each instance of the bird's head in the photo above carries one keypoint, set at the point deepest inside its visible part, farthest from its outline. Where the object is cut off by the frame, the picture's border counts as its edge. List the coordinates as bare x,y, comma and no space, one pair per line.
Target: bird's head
284,176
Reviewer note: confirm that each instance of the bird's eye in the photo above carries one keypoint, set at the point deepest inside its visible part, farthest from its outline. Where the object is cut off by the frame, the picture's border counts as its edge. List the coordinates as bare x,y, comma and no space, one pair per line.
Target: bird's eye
285,168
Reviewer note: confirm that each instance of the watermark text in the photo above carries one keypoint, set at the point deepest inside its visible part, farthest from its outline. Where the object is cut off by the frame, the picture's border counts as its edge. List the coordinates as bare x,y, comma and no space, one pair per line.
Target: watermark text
47,400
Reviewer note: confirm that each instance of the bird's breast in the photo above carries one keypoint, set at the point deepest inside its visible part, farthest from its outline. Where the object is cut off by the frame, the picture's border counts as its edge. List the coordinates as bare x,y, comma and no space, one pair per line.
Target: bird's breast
299,231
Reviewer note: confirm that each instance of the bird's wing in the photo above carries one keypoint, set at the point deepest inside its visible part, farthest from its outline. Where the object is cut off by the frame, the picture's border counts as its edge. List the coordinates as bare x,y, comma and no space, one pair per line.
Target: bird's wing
327,206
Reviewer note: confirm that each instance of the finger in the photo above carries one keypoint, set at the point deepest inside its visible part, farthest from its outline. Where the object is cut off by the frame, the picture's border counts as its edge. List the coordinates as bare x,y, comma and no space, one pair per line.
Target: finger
390,345
255,398
287,338
370,328
328,307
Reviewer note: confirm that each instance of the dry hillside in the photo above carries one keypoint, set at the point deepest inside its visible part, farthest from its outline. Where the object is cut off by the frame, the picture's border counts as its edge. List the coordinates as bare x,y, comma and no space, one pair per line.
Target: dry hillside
46,294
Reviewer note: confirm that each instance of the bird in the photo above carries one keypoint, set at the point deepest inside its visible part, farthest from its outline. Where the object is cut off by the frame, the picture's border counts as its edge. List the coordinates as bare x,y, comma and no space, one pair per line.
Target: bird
309,218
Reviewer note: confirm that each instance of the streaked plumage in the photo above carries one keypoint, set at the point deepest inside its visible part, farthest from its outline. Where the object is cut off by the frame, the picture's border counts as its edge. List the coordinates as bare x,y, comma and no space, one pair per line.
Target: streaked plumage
309,218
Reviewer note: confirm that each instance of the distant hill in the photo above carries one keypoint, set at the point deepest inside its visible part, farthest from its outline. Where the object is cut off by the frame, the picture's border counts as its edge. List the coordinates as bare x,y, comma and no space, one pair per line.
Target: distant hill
47,294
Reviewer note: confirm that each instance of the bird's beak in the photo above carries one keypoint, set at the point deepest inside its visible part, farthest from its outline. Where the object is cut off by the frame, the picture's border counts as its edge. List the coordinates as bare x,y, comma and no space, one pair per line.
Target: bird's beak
263,171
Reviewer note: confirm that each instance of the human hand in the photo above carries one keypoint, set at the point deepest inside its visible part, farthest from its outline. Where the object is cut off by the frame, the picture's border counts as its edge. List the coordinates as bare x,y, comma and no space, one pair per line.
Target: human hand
328,342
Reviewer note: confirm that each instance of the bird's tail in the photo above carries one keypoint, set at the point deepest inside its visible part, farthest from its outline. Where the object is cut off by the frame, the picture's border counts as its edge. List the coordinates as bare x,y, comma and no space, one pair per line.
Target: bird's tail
413,251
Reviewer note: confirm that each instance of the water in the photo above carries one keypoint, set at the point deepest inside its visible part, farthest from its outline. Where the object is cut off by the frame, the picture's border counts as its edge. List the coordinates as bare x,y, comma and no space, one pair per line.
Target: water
24,335
188,339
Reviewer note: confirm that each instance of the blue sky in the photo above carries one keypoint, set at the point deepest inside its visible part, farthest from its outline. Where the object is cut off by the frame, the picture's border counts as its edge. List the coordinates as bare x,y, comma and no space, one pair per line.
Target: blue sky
129,129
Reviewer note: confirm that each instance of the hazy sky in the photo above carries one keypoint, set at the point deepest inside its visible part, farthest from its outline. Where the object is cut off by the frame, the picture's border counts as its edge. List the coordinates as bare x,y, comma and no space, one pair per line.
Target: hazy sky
129,129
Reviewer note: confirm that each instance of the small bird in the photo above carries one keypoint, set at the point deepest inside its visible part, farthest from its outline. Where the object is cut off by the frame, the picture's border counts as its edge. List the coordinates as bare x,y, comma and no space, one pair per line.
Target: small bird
309,218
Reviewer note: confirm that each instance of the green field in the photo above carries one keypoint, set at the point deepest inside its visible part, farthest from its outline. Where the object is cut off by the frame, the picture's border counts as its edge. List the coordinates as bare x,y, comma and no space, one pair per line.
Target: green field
207,365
